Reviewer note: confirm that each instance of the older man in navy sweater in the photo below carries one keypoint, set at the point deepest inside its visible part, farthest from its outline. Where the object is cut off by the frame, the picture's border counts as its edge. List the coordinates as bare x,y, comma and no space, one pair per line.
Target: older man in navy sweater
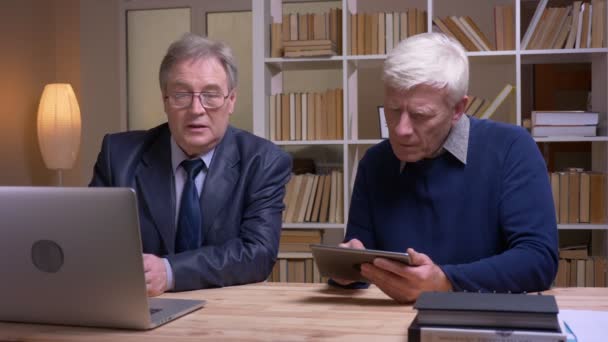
469,199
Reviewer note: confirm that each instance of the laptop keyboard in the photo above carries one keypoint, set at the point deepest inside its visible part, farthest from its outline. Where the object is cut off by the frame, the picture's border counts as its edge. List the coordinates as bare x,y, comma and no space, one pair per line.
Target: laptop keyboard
154,310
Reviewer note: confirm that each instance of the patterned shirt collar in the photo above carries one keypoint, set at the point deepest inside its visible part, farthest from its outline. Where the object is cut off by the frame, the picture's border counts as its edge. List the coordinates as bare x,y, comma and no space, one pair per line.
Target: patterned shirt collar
457,142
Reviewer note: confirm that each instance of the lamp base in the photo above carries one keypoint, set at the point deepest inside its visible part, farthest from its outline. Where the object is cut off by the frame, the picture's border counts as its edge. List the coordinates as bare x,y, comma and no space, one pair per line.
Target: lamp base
59,178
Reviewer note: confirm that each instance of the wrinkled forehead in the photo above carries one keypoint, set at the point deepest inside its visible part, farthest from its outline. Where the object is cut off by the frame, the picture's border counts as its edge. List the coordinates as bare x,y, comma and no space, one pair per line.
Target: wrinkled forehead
205,72
419,94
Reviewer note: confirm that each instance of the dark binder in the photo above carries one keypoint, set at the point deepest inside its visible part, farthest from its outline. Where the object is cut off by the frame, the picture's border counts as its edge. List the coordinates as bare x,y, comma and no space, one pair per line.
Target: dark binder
494,310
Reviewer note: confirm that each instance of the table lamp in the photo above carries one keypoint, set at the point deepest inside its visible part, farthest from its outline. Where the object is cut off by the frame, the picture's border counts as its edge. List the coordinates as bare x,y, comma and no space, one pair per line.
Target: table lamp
59,127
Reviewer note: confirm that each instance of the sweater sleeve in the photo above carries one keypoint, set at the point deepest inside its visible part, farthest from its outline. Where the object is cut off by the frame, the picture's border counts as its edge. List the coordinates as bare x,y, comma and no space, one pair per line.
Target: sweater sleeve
360,214
526,216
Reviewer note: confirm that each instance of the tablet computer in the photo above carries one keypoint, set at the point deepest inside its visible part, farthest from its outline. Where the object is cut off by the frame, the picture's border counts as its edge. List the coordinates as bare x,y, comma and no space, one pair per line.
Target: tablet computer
344,263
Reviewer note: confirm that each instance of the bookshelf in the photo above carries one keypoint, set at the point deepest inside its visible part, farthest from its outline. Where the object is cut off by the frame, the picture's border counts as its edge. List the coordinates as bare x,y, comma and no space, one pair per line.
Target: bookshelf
359,77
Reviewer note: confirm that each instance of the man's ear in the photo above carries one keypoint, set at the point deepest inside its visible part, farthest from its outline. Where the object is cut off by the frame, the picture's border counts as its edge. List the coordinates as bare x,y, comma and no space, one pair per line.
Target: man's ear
165,102
459,108
232,99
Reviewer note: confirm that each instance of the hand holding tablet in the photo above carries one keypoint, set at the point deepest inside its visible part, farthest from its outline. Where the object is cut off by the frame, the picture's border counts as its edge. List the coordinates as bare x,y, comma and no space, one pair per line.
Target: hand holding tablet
344,263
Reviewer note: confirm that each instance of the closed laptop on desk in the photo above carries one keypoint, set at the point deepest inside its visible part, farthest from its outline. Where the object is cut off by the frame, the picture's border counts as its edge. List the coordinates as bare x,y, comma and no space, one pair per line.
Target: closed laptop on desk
73,256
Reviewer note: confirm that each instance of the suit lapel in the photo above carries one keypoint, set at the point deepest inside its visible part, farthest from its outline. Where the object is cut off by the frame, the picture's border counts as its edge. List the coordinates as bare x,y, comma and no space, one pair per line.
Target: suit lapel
221,179
155,179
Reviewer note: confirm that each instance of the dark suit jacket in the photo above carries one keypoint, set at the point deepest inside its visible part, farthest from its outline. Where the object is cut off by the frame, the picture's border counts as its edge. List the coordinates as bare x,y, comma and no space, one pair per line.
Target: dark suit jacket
241,202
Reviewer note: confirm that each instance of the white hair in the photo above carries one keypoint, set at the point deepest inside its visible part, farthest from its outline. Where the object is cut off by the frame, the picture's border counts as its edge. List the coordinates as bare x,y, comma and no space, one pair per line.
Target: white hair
432,59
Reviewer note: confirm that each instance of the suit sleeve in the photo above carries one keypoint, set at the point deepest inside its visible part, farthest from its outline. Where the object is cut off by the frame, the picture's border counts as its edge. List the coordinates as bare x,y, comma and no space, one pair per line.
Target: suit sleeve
249,257
527,217
102,174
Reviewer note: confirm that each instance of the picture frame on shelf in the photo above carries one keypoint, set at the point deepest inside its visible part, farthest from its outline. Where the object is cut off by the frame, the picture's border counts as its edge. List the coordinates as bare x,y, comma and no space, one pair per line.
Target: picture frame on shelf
383,125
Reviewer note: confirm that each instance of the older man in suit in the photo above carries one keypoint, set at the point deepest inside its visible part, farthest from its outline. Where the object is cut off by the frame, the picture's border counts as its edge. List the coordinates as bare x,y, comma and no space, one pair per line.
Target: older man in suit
210,196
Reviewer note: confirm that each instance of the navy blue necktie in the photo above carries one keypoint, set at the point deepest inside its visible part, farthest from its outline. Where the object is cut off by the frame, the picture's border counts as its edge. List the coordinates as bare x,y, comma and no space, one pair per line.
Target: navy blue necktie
189,220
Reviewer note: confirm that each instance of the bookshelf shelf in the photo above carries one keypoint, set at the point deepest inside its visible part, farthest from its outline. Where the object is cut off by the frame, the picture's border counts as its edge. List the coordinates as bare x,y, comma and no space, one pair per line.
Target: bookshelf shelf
583,226
562,56
491,53
359,77
294,255
564,51
365,57
570,139
277,60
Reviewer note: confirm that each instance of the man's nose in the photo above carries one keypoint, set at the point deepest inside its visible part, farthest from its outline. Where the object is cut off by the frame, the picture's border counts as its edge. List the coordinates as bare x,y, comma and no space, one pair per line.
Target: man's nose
404,125
197,104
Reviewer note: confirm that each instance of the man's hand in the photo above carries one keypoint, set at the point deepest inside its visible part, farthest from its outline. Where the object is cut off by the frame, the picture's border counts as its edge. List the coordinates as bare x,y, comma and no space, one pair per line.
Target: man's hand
354,243
405,283
156,275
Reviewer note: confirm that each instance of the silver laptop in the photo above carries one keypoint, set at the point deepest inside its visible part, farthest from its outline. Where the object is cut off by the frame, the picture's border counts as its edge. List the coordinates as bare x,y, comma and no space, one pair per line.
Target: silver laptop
73,256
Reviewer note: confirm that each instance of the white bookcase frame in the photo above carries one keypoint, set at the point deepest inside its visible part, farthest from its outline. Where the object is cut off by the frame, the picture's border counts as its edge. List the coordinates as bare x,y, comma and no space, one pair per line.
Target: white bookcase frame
268,79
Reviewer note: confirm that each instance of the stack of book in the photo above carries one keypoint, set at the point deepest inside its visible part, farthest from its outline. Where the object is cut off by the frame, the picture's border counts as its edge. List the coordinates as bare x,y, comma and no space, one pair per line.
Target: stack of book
305,27
577,26
309,48
467,316
295,262
296,268
564,123
314,198
577,268
504,27
484,109
306,115
379,33
299,240
465,30
579,196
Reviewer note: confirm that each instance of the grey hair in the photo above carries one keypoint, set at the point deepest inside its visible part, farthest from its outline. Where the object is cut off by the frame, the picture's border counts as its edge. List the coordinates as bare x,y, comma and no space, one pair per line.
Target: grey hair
195,47
432,59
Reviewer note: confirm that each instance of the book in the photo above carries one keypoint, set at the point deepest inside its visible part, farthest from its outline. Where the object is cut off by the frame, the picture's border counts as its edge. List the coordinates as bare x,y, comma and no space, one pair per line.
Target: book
532,27
561,131
598,25
562,36
574,252
498,100
583,44
509,27
579,29
443,28
576,10
417,332
564,118
292,116
574,181
564,189
470,24
468,32
544,25
460,35
585,188
499,27
597,202
495,310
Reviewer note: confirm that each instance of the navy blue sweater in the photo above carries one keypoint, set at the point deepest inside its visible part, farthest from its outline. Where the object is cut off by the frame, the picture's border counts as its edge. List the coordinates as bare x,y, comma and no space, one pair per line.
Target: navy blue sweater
489,224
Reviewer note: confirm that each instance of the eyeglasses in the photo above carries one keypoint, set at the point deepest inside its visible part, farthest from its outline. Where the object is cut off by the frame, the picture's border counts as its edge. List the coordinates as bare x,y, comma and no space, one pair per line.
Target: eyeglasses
208,100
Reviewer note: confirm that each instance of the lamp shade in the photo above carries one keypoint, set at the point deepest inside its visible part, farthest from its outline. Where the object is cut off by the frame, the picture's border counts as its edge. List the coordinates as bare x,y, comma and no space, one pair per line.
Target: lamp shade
59,126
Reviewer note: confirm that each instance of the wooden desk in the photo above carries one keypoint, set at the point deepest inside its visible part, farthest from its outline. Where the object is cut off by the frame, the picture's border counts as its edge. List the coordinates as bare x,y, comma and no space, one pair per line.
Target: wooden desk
280,312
